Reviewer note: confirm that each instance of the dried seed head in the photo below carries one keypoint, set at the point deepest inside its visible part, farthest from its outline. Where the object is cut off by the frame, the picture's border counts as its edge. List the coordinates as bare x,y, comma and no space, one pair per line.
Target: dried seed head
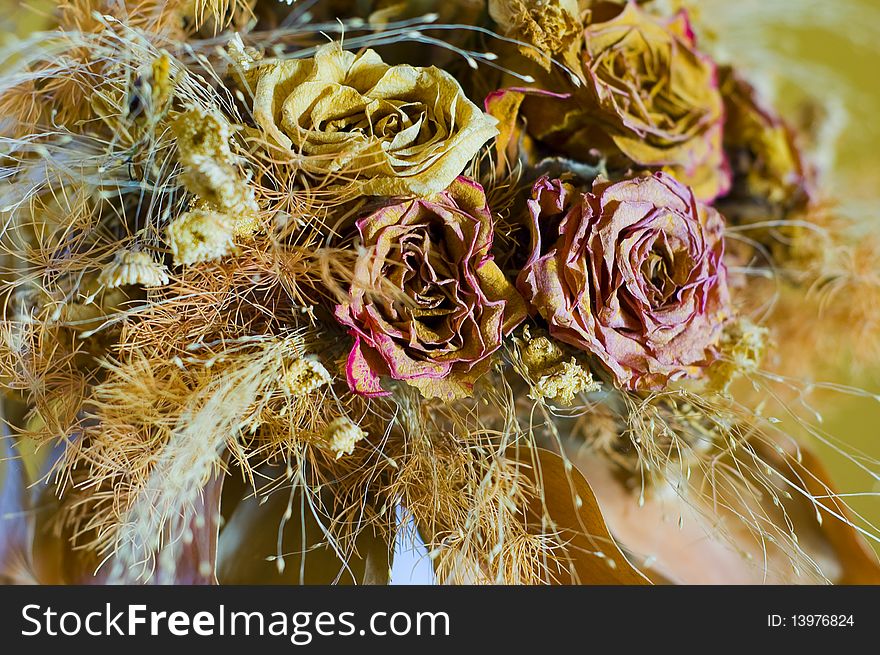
202,134
133,267
200,235
162,83
245,225
342,434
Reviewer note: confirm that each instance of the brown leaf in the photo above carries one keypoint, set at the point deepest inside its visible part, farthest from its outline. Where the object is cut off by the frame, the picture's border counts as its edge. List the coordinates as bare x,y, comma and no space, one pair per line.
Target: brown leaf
683,535
857,562
665,535
592,555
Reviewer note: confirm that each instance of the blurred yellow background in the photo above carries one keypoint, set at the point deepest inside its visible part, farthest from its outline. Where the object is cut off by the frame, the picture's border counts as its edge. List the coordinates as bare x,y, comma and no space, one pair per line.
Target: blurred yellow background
828,52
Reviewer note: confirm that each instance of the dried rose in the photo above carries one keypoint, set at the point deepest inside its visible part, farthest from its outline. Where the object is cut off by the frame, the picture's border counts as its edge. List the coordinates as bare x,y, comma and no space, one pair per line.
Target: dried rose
400,130
649,96
767,164
631,272
454,304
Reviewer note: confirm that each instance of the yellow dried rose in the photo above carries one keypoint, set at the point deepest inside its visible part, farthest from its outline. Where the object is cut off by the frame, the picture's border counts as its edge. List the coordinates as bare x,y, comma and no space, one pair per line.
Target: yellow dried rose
398,130
649,100
768,167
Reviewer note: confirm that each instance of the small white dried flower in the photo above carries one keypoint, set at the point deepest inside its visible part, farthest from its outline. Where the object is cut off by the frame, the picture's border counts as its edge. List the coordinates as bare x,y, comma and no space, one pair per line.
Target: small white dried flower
133,267
540,353
200,235
564,382
556,379
342,434
741,350
304,376
244,57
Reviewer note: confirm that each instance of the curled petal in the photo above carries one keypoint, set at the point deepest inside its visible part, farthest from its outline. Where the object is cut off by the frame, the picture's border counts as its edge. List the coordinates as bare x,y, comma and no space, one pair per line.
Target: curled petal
362,377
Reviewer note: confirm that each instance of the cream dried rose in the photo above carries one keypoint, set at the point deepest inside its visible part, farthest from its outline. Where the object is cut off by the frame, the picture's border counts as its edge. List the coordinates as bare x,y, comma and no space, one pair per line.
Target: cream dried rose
399,130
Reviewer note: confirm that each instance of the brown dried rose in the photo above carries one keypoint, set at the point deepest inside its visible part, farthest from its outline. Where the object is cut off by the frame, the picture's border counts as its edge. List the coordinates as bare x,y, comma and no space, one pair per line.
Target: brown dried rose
454,305
649,98
767,164
631,272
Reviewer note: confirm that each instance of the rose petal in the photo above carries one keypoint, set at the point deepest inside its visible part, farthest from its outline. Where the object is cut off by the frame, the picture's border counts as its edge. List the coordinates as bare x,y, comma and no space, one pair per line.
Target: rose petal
361,374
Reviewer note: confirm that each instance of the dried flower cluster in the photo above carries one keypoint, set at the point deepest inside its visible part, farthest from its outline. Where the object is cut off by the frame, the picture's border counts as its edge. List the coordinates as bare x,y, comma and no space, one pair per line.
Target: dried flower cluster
275,302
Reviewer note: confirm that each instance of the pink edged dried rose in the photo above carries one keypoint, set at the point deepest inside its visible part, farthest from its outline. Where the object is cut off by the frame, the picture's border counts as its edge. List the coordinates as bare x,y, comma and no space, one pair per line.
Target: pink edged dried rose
631,272
649,98
448,306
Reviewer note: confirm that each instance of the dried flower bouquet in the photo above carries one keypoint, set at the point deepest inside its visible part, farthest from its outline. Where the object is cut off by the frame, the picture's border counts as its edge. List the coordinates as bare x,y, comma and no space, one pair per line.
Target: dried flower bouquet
283,282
